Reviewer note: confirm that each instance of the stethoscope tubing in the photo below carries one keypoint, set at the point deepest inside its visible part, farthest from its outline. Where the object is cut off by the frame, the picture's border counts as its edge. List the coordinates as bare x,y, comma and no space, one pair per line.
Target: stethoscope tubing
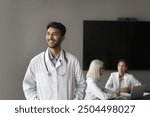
48,73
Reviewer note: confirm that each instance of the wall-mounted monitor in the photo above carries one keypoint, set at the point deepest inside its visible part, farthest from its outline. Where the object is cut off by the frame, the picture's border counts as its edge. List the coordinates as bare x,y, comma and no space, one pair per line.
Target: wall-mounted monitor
112,40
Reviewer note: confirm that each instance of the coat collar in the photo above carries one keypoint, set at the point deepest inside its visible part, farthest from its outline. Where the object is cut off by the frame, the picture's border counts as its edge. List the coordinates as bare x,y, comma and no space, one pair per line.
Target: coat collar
59,61
123,76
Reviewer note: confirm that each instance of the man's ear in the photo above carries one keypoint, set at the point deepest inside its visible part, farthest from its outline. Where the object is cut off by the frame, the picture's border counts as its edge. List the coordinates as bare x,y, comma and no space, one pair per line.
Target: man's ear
126,68
63,37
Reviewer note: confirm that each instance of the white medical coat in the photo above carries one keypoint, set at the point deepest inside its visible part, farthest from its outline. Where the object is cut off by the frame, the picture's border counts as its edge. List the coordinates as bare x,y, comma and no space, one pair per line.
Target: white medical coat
95,91
128,81
66,81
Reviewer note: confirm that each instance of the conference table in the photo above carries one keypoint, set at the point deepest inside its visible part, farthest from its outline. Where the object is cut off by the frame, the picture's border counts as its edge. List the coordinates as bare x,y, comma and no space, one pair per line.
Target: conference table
145,97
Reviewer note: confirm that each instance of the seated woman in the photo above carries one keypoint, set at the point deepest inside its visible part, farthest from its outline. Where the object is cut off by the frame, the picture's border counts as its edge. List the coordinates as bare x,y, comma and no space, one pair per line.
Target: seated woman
94,90
121,82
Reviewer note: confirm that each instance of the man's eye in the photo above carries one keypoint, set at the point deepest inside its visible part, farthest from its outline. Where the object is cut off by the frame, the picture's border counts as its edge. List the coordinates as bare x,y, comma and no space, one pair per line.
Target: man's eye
55,34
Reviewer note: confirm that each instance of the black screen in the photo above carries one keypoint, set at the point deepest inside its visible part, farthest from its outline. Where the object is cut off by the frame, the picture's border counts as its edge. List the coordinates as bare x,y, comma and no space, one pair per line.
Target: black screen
112,40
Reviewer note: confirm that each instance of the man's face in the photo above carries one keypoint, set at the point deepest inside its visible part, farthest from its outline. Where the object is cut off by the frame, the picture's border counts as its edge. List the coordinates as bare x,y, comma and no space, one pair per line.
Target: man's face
54,38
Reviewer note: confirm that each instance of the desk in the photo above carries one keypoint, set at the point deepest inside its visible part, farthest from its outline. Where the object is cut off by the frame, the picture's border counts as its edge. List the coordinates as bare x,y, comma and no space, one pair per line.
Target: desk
146,97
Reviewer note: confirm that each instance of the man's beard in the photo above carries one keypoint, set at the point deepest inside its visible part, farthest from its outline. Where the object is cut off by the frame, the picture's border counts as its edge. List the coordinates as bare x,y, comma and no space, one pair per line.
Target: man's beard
53,44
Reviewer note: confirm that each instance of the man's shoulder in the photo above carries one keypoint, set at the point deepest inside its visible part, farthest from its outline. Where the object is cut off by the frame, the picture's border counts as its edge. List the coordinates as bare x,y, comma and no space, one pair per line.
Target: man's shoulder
37,57
70,56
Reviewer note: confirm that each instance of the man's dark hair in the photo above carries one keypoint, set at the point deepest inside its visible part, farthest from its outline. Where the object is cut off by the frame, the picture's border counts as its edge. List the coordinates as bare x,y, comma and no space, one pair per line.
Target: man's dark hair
59,26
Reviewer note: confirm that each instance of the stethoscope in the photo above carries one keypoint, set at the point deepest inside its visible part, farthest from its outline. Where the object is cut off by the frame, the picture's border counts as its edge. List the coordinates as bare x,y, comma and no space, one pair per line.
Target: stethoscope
48,72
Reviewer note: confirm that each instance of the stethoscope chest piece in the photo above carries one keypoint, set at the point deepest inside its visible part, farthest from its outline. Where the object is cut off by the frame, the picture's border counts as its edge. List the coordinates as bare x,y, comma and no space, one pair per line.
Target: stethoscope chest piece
48,73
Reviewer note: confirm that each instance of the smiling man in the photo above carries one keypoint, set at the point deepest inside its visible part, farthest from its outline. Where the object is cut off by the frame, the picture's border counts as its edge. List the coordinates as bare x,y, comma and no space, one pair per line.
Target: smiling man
54,74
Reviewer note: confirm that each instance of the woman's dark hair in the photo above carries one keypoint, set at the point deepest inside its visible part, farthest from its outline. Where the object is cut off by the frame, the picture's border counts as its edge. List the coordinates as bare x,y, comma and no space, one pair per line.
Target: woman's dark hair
123,60
59,26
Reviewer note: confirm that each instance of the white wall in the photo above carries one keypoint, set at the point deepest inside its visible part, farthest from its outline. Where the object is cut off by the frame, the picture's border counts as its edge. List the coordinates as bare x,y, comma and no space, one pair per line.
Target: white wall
23,26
